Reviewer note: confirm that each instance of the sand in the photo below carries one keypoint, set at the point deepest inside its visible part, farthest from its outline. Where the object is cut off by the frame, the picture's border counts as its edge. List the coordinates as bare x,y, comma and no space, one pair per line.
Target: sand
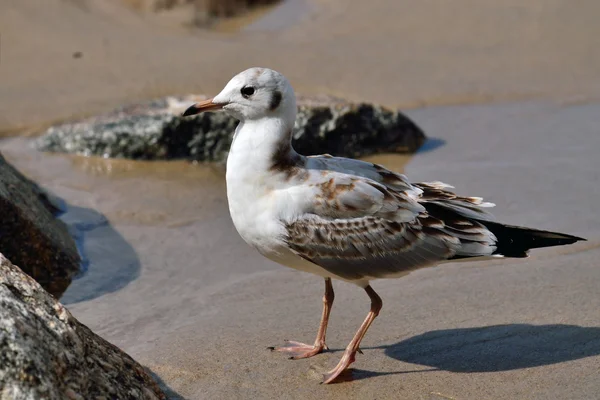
394,52
171,282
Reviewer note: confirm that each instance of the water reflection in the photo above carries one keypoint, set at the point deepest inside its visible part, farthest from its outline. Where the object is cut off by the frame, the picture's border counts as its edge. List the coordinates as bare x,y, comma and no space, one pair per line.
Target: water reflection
171,170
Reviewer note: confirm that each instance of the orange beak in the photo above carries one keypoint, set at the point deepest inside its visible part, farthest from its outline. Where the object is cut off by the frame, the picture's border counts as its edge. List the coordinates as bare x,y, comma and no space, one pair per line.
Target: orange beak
206,105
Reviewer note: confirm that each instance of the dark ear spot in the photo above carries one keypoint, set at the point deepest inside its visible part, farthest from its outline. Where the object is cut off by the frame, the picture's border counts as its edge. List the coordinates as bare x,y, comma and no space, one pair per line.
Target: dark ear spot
275,100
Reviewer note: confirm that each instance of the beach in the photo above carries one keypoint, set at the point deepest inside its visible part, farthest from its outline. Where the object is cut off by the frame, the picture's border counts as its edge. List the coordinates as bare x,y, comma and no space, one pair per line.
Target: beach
405,54
507,93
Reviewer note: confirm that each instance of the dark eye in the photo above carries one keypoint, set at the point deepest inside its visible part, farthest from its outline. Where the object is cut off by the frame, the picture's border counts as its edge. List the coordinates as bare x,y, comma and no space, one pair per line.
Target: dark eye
247,91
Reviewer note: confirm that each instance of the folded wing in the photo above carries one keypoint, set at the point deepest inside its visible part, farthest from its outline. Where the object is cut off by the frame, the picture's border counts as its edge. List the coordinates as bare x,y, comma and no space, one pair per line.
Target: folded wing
373,223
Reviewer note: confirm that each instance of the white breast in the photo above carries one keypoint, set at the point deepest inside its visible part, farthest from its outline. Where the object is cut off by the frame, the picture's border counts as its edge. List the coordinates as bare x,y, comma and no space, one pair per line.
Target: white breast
256,213
261,200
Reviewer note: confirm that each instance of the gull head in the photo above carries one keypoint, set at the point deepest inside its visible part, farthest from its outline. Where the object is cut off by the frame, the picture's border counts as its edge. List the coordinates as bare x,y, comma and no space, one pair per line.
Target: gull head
253,94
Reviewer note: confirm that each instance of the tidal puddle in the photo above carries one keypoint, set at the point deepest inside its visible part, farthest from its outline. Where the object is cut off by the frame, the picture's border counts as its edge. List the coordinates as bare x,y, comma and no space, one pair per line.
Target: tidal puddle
104,197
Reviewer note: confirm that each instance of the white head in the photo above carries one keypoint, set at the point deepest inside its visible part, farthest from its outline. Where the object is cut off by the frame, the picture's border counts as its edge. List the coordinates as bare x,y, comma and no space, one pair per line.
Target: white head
252,95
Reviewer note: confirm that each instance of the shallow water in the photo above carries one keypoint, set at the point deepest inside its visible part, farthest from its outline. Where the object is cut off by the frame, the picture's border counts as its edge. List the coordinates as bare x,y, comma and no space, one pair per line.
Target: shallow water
104,195
136,192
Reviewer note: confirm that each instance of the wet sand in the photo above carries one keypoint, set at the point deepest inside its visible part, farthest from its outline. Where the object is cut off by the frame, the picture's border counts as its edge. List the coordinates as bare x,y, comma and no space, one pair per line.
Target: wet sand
171,282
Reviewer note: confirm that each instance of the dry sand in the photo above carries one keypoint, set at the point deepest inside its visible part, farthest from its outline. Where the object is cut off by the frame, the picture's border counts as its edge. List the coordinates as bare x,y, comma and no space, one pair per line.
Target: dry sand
171,282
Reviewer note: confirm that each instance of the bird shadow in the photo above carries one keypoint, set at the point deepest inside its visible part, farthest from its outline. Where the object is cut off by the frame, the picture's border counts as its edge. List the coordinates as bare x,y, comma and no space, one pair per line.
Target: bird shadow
108,261
490,349
498,347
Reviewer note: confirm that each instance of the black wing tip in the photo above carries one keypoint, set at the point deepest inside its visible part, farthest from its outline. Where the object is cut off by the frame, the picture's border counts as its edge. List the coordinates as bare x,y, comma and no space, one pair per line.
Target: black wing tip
516,241
565,238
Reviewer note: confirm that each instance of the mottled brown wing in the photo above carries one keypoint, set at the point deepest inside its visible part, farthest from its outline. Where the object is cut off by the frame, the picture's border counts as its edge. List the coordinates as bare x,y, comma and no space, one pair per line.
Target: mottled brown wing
344,197
371,247
374,224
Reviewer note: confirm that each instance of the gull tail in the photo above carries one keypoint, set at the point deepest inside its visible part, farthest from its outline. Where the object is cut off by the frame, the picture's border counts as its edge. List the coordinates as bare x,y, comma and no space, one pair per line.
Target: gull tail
515,241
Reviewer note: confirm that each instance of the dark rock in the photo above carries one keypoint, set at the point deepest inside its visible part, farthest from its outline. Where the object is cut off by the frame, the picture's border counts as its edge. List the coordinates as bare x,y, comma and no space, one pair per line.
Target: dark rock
203,13
31,235
45,353
209,11
156,130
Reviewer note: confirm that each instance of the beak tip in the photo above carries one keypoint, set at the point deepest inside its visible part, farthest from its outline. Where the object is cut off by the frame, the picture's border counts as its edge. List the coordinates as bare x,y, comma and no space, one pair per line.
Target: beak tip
206,105
192,110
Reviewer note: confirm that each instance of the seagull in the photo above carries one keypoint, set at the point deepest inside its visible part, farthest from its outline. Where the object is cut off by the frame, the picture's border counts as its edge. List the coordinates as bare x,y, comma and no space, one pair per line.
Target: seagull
341,218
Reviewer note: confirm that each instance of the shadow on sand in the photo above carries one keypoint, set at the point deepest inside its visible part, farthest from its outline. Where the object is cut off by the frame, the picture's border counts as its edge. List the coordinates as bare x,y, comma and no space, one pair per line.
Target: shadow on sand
431,144
170,393
498,347
490,348
109,263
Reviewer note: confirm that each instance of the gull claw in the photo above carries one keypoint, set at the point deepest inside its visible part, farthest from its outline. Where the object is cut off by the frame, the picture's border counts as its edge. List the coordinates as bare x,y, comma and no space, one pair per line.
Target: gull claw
298,350
347,359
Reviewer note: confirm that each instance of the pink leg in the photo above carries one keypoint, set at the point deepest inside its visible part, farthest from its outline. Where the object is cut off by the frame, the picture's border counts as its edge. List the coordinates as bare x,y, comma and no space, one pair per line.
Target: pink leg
350,352
298,350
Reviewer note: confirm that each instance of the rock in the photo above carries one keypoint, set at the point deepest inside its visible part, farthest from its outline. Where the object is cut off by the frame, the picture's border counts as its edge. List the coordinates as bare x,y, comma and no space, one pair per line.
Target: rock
156,130
31,236
202,13
208,11
45,353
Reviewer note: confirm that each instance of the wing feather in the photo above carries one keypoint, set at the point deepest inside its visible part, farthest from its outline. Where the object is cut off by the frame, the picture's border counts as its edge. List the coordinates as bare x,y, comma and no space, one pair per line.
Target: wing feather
368,247
373,223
